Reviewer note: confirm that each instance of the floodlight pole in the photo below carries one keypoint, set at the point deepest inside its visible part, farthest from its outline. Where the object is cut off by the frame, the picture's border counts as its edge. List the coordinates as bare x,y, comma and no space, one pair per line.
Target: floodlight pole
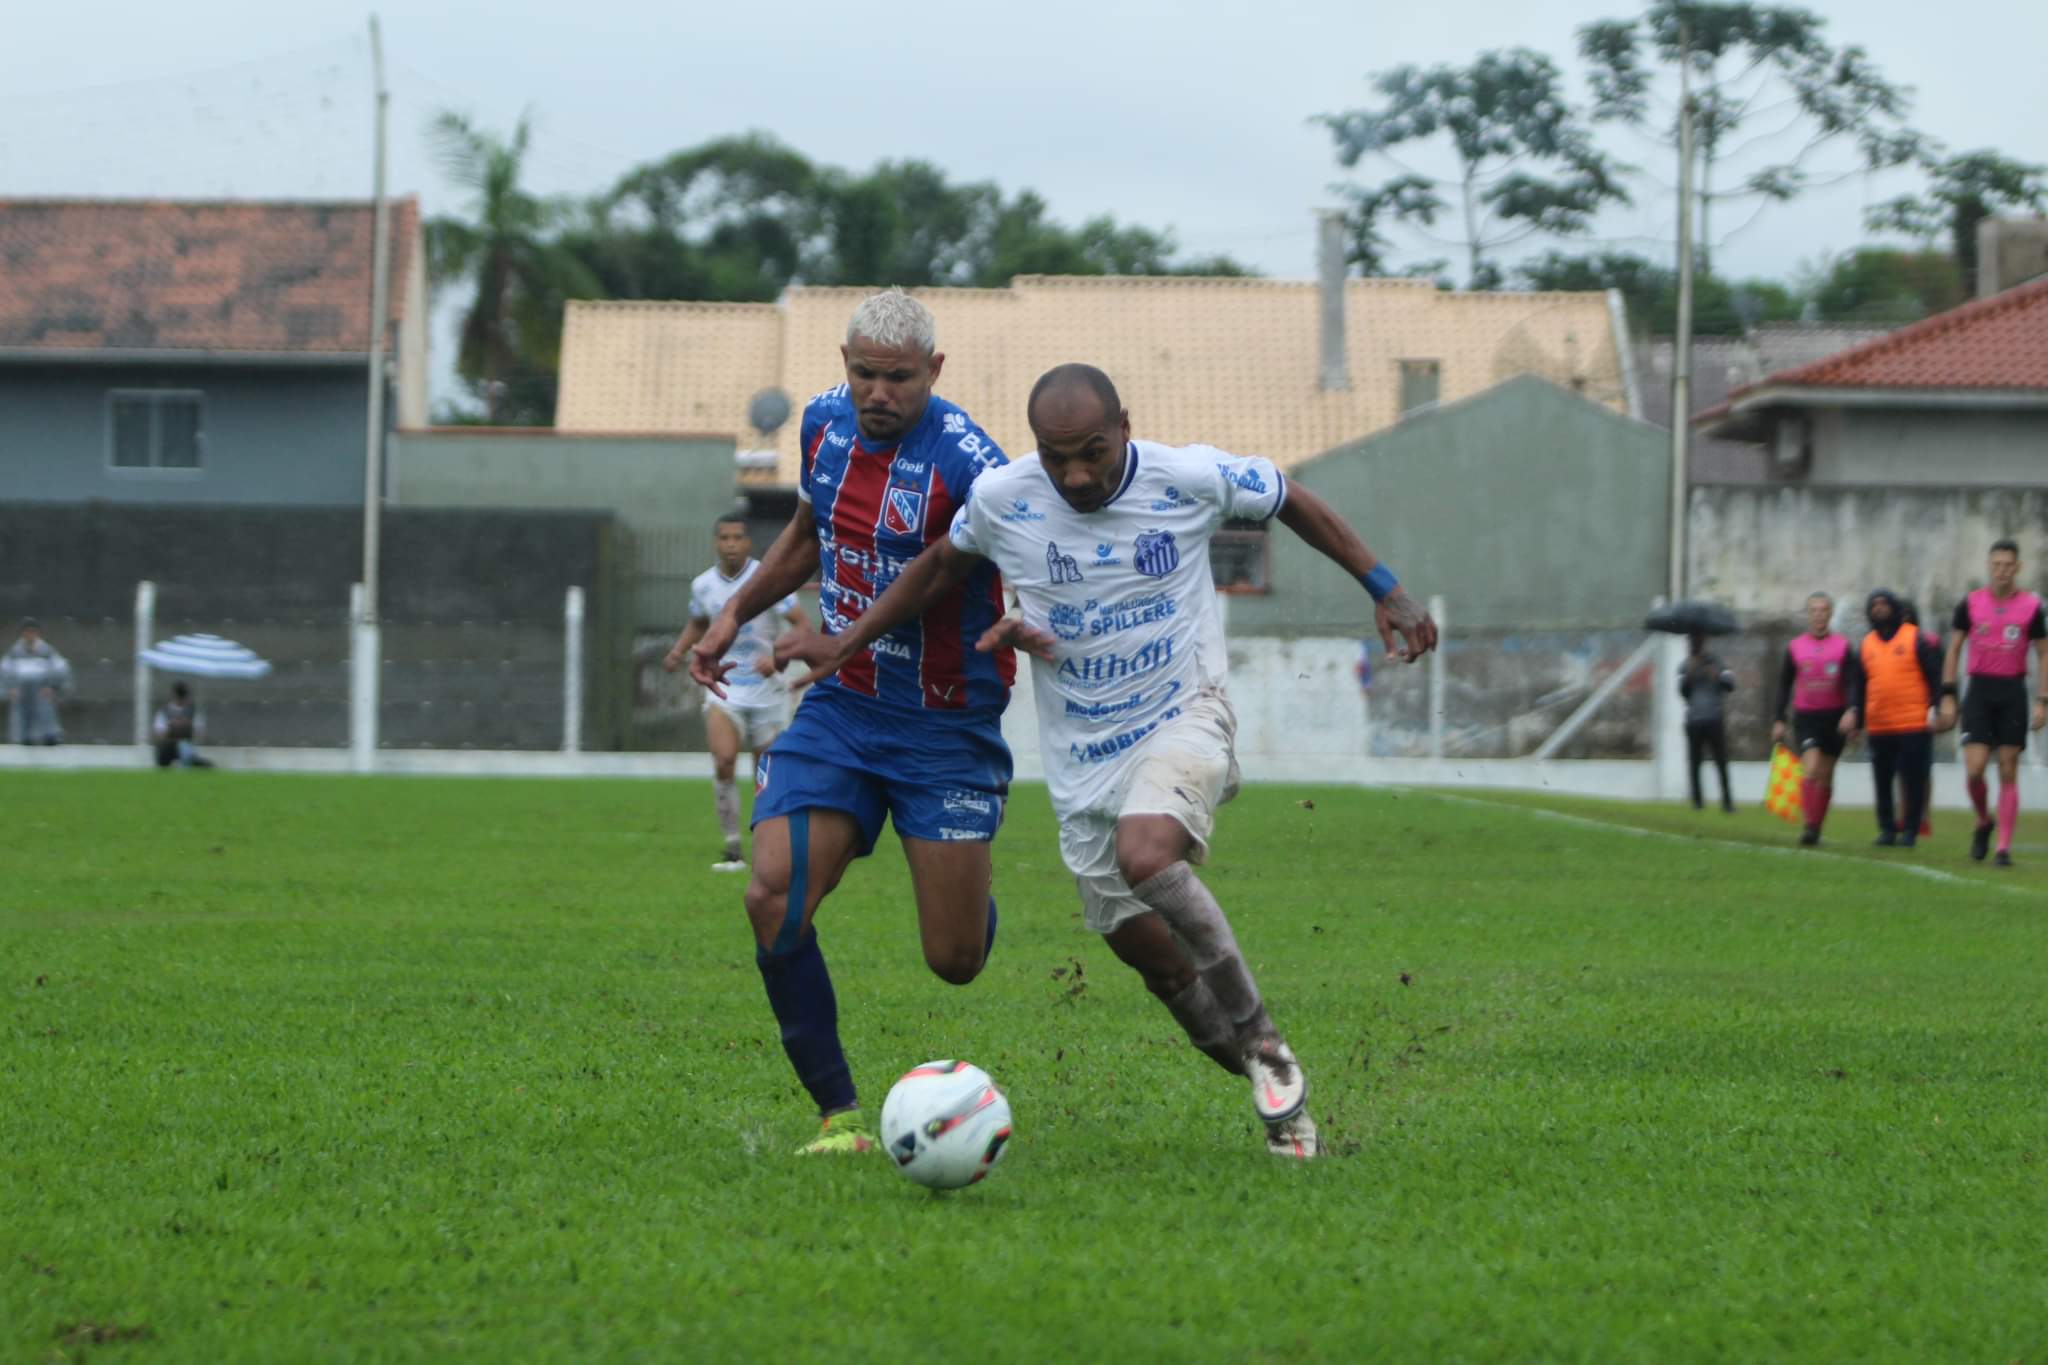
1681,360
366,645
380,264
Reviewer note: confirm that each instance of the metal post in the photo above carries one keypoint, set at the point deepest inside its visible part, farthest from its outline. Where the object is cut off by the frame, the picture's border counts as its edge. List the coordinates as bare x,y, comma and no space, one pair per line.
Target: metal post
572,672
1681,360
145,626
1667,714
380,287
365,648
1436,681
1667,748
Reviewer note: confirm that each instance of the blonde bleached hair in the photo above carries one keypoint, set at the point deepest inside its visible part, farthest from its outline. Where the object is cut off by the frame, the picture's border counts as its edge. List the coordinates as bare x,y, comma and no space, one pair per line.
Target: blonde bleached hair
893,319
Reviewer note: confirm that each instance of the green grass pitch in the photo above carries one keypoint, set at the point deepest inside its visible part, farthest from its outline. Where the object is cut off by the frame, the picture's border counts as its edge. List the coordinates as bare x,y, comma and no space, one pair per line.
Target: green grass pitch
320,1069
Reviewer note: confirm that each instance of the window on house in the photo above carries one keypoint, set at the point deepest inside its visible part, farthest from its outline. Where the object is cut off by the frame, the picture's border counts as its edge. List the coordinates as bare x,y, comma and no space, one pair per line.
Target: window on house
1418,385
1238,557
155,429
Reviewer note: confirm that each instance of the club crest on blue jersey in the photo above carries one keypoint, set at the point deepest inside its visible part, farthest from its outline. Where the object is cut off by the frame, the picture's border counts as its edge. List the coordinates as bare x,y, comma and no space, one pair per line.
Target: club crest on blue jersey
1154,554
903,512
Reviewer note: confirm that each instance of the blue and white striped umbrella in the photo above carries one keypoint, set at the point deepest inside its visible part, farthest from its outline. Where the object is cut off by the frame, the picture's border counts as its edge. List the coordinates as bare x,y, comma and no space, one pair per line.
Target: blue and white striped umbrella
206,656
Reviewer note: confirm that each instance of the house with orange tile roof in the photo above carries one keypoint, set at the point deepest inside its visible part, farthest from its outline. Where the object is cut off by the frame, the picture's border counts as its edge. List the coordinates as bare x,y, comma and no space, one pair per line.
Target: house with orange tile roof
1272,367
1958,399
200,351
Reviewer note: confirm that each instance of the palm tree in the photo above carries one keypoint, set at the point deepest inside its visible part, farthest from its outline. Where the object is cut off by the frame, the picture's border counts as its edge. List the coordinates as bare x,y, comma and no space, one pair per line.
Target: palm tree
506,248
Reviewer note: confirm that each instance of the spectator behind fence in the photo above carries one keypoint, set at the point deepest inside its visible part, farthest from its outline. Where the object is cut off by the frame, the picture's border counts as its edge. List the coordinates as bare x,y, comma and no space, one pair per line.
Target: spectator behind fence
1705,682
35,678
179,726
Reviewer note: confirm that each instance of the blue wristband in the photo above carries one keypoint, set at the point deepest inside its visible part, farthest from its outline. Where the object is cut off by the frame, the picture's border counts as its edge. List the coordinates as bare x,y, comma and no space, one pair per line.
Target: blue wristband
1380,582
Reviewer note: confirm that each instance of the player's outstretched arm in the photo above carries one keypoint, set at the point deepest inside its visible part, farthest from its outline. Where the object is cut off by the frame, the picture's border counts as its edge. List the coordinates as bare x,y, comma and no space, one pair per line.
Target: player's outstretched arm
1395,612
922,583
789,564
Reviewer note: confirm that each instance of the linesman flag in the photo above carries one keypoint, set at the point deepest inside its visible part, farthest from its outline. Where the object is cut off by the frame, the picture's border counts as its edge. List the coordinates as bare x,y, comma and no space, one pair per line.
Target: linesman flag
1781,792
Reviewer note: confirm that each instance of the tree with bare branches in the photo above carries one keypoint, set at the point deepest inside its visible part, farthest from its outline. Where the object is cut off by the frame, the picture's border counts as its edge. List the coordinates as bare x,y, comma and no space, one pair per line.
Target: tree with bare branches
1526,163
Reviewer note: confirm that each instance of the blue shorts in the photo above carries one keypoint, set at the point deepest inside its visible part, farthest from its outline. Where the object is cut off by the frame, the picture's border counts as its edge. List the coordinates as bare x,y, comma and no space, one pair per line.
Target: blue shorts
937,776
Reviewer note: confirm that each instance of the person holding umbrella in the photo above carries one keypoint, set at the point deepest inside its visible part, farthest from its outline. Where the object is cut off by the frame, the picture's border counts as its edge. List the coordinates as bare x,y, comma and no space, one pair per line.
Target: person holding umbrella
179,724
178,727
1704,682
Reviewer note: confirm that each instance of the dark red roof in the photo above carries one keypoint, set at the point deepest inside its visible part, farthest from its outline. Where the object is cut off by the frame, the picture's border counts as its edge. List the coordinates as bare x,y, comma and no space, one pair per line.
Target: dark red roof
2000,342
194,275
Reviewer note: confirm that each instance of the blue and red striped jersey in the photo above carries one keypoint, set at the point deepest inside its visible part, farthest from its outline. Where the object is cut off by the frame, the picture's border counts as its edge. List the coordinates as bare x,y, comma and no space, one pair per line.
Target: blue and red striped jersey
875,510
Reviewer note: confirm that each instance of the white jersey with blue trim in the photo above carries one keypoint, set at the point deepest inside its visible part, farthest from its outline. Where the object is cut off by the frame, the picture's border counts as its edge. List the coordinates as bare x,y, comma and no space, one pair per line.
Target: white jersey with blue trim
1126,593
744,685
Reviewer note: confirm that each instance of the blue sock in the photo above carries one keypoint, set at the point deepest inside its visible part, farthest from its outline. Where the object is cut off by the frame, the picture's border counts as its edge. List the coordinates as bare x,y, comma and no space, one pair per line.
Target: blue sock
990,946
800,993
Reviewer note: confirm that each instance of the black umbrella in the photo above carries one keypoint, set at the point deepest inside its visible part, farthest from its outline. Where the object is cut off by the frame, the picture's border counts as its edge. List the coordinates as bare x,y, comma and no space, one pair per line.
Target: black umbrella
1692,616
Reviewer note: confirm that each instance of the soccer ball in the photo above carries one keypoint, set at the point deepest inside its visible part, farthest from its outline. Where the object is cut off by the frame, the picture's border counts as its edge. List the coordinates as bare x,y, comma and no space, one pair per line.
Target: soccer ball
945,1124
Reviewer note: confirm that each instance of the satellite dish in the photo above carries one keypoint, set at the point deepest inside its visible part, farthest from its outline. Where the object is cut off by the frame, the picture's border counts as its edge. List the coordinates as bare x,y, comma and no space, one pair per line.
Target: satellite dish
768,410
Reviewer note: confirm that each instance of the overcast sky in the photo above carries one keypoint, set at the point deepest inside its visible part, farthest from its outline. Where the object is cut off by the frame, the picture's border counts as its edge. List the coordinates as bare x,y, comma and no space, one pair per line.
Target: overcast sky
1190,116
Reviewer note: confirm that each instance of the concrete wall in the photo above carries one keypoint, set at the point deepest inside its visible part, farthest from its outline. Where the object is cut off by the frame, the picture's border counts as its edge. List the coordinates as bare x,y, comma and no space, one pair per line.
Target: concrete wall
274,435
472,609
664,492
1761,550
643,481
1527,507
1940,449
409,395
1300,708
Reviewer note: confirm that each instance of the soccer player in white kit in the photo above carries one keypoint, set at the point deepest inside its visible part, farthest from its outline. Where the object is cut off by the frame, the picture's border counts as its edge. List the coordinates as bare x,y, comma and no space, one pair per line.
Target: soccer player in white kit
756,704
1106,542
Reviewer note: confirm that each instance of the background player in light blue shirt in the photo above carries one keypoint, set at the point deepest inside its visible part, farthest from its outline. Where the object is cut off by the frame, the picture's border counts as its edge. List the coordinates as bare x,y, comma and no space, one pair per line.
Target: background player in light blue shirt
756,704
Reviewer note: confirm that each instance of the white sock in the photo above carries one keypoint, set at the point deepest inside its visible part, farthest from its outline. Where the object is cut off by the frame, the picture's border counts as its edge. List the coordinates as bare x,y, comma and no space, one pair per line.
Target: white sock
728,800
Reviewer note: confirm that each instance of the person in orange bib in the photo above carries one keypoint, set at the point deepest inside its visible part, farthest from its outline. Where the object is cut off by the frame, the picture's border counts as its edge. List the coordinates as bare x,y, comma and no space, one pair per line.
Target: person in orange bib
1910,614
1893,704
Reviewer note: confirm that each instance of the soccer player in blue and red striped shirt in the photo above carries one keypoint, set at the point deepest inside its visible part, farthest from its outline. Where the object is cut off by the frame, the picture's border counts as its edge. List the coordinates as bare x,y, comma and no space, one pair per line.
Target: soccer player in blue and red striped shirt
909,729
